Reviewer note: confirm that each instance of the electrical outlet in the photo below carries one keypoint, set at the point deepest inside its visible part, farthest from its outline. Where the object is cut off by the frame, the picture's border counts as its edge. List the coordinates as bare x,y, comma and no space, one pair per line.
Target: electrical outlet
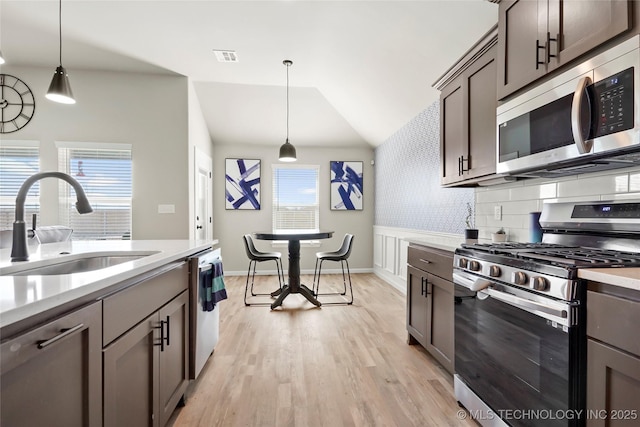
497,212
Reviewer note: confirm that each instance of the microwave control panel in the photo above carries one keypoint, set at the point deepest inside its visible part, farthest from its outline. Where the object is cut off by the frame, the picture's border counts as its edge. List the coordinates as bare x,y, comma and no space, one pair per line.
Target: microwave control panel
613,97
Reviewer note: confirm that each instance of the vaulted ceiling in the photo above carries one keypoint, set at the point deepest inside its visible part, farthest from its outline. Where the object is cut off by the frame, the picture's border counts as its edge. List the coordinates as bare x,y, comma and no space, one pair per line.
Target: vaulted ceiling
361,69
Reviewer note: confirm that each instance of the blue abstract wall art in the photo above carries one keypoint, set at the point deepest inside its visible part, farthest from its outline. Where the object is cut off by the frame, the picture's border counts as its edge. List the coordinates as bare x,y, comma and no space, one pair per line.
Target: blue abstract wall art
346,186
242,184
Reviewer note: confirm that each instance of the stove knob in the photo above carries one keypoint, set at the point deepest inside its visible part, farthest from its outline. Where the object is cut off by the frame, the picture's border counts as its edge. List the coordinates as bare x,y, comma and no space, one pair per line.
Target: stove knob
494,271
474,266
462,263
540,283
519,278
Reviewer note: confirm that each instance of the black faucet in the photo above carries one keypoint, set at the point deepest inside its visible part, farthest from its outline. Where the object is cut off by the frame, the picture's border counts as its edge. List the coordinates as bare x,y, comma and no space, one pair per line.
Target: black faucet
19,251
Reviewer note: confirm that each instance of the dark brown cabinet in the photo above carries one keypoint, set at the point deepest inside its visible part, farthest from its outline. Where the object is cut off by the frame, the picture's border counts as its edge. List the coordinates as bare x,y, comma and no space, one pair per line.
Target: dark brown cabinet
613,357
468,102
430,306
54,373
146,367
536,37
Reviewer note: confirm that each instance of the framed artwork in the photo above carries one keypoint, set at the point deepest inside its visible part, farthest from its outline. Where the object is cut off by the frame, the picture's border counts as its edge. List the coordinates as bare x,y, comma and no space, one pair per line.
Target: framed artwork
242,184
346,186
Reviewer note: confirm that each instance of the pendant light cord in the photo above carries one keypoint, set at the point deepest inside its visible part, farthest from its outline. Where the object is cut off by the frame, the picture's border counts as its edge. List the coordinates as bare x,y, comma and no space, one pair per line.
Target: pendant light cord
288,101
60,28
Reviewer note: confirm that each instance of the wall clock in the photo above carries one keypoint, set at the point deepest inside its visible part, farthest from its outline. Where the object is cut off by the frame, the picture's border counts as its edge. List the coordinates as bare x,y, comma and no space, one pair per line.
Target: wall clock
17,104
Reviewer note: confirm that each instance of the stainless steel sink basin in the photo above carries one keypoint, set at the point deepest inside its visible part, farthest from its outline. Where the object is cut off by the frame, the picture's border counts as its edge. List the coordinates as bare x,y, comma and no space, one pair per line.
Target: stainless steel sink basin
81,264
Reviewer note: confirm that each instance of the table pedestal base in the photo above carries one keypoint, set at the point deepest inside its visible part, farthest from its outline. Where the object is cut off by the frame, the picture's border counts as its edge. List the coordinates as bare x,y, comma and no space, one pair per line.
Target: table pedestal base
302,289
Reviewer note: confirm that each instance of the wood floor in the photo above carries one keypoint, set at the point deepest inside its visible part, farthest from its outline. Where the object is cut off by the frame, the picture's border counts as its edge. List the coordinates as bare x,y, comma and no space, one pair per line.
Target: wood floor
341,365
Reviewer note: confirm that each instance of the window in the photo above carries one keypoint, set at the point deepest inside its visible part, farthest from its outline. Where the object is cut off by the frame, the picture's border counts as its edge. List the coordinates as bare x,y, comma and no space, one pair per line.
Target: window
295,198
18,161
105,173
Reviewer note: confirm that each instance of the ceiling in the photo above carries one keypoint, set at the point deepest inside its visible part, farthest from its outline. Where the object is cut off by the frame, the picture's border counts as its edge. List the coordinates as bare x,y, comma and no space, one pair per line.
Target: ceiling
361,69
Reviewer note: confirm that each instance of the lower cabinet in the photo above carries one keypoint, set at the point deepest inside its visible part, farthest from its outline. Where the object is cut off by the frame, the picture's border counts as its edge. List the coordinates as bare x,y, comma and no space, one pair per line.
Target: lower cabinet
613,357
146,369
430,302
52,375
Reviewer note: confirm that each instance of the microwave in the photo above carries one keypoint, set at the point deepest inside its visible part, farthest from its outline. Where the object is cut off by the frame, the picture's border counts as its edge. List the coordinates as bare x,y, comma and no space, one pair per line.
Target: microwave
586,119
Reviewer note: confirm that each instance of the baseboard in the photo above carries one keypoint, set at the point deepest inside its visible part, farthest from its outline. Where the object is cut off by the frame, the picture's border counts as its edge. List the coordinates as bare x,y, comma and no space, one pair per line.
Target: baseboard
393,280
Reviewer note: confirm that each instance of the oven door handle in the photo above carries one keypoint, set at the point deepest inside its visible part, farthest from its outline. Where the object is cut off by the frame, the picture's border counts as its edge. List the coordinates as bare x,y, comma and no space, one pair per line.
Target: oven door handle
525,304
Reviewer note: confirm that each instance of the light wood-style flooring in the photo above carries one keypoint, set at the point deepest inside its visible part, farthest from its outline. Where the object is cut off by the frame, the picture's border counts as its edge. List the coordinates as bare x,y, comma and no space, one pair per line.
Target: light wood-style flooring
298,365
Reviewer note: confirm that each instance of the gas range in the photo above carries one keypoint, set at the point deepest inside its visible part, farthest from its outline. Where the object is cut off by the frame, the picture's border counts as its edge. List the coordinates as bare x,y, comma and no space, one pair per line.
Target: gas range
576,236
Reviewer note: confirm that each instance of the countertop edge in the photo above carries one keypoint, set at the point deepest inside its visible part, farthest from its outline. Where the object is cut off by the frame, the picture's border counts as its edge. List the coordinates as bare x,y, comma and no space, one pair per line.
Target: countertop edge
624,277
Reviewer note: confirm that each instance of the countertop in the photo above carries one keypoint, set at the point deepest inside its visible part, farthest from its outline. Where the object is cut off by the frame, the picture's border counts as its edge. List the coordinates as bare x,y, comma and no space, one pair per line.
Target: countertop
445,246
24,296
623,277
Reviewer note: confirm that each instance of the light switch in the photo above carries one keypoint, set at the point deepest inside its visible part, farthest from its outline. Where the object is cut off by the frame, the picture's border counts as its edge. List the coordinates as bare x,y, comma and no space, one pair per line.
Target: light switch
166,209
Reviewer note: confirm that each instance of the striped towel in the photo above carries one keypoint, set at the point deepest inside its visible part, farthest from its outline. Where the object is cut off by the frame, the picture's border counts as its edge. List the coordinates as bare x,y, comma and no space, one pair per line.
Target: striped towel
212,281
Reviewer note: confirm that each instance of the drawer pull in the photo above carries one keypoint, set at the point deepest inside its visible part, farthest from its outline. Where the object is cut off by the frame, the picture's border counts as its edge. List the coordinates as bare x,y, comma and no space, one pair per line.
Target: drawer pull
426,261
168,329
63,333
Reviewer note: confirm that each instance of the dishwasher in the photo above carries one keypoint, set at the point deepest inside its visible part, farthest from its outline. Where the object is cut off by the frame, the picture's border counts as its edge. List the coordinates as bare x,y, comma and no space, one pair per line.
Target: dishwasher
204,325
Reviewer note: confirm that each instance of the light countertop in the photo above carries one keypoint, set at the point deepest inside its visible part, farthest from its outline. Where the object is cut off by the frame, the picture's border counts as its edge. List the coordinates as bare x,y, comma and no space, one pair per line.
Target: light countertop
25,296
623,277
445,246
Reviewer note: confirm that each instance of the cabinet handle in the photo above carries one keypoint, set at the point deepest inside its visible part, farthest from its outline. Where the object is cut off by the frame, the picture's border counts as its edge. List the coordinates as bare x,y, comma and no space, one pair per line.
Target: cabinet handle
462,161
426,261
424,286
63,333
161,327
459,165
538,47
168,330
548,48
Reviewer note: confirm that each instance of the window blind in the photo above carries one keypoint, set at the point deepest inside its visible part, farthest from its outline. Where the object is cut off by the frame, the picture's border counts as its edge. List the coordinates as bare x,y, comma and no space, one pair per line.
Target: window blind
17,163
106,177
295,198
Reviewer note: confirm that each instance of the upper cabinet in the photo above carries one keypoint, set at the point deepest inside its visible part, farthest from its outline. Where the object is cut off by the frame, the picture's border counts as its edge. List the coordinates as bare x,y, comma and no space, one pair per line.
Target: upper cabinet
536,37
468,116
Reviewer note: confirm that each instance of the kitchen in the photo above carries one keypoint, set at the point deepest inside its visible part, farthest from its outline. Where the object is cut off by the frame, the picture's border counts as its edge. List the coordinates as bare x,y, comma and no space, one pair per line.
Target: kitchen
404,157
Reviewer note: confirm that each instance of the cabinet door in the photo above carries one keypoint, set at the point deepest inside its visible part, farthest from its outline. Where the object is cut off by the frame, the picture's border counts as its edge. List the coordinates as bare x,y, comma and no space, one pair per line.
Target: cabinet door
54,373
613,386
174,355
417,305
481,99
452,137
522,33
579,26
440,318
130,372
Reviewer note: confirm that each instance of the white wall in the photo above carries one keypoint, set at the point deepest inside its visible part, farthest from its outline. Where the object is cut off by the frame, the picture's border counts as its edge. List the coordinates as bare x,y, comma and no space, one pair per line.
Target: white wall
148,111
520,198
230,225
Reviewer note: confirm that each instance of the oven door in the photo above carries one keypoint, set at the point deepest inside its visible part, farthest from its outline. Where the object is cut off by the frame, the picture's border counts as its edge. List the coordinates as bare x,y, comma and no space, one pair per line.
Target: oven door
517,352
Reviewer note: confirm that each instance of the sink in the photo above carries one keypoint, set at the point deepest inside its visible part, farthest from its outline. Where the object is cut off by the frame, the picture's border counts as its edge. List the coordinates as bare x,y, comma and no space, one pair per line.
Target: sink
77,264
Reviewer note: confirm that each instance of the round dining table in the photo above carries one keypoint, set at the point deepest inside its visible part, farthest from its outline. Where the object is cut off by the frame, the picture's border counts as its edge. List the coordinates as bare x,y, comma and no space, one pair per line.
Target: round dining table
294,286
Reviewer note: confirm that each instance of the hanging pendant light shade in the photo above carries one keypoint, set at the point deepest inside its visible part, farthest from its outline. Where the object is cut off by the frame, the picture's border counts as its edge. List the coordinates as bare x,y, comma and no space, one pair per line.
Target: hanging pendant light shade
287,150
60,89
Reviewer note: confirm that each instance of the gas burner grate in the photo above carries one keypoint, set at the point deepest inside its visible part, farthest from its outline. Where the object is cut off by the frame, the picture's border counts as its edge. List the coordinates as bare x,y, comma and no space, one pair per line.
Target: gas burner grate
585,257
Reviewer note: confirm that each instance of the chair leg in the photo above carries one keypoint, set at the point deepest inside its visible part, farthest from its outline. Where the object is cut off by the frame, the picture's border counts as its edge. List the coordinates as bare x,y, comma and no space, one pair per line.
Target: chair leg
253,277
350,286
315,270
280,272
246,286
319,274
344,279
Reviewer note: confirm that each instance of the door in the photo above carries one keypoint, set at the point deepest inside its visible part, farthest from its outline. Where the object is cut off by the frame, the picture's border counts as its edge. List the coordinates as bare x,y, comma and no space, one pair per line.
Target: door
440,321
174,354
130,369
452,132
417,306
203,196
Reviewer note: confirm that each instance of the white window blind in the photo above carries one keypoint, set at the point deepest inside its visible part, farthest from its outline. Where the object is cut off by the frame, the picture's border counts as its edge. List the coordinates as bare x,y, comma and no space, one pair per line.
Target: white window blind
17,163
106,177
295,198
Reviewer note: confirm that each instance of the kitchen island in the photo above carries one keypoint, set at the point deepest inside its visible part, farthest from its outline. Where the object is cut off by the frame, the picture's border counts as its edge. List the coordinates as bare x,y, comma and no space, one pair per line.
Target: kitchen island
103,347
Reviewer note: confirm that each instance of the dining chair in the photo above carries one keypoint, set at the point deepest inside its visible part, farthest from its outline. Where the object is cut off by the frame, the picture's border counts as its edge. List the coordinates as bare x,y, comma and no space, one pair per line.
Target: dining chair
341,255
255,256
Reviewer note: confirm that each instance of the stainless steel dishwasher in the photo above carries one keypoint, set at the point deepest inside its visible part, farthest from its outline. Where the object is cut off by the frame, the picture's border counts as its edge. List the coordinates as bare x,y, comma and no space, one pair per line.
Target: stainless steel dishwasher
205,325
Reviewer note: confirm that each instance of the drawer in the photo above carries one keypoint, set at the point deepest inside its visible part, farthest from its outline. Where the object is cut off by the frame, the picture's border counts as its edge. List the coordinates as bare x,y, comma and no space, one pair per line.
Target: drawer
126,308
431,260
614,320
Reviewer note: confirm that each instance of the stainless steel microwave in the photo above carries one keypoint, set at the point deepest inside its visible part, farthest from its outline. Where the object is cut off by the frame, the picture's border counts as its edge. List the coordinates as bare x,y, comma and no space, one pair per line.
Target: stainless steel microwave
585,119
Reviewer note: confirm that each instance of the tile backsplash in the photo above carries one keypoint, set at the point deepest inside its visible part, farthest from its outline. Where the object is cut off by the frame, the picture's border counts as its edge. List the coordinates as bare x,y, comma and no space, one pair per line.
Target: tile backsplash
518,199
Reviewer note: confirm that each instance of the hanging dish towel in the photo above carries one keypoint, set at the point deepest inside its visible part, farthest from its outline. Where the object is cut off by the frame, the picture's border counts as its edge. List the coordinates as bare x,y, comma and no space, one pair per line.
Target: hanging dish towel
212,281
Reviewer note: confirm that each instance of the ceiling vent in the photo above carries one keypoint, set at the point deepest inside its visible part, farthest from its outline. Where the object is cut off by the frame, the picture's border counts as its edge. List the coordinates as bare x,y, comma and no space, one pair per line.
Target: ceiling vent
226,55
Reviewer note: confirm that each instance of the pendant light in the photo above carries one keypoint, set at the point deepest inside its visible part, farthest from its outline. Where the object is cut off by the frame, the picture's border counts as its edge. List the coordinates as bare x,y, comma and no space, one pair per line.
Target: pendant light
287,150
60,89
